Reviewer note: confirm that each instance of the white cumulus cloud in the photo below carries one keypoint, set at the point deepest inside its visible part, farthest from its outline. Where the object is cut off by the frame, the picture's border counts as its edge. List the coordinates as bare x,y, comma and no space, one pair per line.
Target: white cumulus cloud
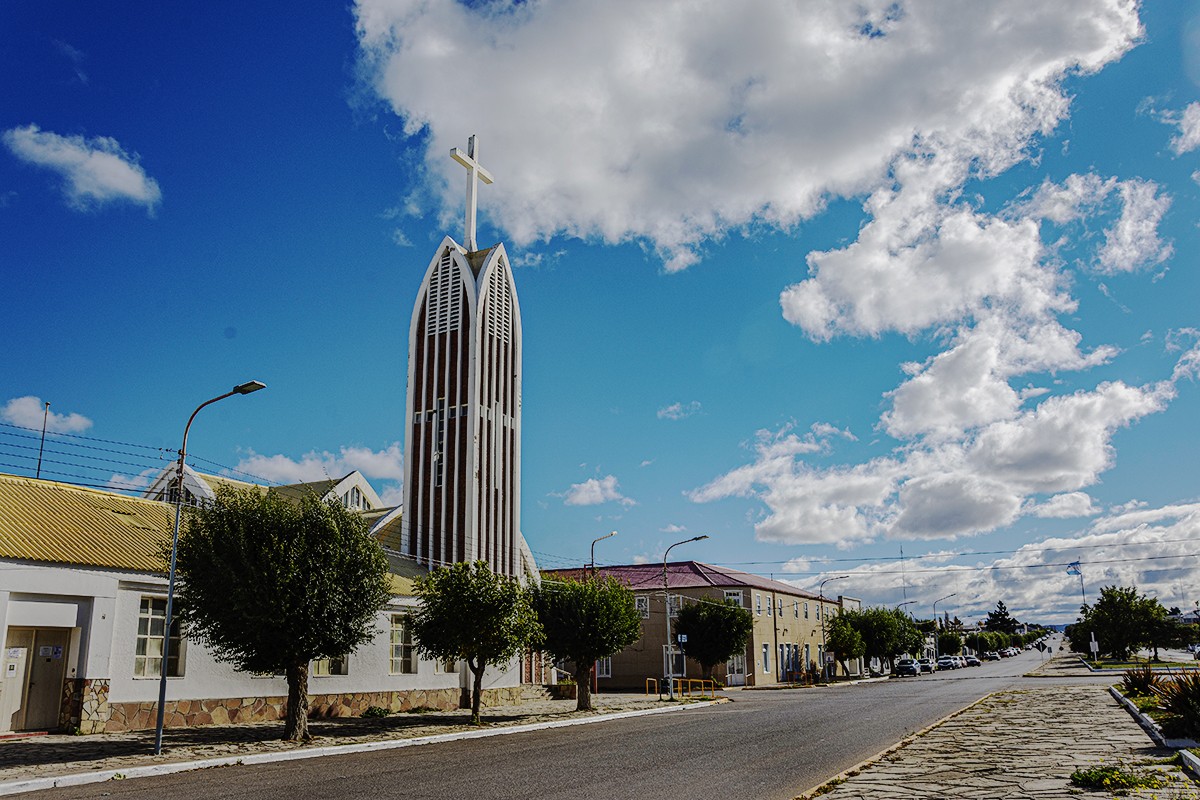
672,123
1189,129
94,171
28,412
677,411
595,491
386,464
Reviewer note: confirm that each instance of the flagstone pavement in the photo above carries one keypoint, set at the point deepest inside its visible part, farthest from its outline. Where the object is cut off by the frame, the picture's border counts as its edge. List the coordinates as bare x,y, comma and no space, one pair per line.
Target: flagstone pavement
1021,744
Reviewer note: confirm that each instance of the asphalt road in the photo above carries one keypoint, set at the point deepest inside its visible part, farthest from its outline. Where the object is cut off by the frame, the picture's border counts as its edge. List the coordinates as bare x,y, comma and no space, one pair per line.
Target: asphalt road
765,744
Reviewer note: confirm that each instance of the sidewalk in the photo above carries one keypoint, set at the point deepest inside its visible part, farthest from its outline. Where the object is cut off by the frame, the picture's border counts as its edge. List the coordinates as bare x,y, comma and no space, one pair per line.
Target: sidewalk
1016,745
59,755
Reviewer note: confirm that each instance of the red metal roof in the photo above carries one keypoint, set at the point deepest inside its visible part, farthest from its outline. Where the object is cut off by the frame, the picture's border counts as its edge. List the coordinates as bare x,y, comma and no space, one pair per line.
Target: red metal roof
684,575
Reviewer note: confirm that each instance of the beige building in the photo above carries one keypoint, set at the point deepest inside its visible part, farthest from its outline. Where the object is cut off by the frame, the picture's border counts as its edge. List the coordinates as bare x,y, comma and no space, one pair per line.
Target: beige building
786,645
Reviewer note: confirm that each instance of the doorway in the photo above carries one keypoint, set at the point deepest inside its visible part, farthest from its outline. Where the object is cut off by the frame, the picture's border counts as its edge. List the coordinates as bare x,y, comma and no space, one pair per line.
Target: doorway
35,665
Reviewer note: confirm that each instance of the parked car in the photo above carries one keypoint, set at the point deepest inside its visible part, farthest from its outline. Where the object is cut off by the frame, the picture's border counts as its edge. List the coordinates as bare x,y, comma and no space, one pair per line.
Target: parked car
973,661
946,662
991,655
907,666
927,664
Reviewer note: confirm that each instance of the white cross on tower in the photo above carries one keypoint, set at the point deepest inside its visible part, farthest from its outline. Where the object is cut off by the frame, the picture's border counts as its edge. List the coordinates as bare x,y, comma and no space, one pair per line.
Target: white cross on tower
474,171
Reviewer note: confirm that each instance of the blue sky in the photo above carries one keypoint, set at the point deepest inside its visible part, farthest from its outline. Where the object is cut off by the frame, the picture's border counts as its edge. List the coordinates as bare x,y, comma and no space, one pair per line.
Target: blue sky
822,283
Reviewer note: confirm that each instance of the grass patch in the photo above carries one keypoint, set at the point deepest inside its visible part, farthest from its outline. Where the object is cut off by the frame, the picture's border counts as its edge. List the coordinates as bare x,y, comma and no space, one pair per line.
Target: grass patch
1116,779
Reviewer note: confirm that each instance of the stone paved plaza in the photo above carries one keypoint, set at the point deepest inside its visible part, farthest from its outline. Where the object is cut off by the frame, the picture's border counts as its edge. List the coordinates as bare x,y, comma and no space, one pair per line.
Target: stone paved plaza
1017,745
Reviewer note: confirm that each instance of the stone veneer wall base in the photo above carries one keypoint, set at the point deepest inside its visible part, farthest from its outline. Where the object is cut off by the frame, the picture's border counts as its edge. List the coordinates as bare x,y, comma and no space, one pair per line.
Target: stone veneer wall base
92,713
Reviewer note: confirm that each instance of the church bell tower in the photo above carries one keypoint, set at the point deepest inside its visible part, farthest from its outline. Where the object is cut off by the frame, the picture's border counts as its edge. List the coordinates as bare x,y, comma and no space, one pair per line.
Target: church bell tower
462,449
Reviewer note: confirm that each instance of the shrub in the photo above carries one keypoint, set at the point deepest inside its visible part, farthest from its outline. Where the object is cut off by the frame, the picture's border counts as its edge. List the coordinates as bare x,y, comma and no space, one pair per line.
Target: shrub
1140,681
1115,779
1179,697
374,712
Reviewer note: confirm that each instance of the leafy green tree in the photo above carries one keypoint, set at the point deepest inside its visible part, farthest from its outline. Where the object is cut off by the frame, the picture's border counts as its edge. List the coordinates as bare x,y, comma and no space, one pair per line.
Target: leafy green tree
1123,621
469,613
844,641
1000,620
270,584
949,643
886,633
715,631
584,621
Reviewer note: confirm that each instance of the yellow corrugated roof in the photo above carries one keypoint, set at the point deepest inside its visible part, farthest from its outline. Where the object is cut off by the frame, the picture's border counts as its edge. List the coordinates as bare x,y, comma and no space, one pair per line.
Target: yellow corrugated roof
64,524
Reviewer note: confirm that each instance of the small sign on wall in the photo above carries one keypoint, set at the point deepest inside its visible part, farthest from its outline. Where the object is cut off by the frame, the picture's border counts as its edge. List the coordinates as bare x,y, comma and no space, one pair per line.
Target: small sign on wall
45,651
16,652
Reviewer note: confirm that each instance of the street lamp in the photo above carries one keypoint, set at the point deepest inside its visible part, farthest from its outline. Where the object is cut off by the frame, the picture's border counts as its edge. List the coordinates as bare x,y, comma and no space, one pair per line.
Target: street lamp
599,539
667,608
241,388
905,603
821,609
936,626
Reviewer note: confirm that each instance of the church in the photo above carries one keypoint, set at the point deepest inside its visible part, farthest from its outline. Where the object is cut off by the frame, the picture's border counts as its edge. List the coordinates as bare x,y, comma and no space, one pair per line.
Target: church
82,609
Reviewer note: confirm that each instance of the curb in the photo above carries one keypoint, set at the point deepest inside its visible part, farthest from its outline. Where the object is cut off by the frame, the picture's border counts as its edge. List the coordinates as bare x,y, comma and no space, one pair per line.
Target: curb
1190,762
81,779
1151,727
842,776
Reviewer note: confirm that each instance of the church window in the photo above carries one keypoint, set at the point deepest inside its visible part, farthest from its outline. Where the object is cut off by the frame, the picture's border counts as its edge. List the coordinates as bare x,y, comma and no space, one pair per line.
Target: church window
404,659
758,604
673,604
444,297
806,610
735,595
642,604
152,622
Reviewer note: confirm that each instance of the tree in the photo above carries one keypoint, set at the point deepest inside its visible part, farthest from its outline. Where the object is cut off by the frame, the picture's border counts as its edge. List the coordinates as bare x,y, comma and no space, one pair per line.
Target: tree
1000,620
886,633
1123,620
844,641
270,584
949,643
715,631
469,613
584,621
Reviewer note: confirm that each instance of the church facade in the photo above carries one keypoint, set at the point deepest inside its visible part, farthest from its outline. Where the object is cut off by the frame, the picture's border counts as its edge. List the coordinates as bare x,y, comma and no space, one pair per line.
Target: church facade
462,459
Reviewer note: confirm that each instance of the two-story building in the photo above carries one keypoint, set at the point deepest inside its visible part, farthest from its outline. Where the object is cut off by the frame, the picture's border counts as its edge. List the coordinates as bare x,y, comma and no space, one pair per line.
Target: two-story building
787,642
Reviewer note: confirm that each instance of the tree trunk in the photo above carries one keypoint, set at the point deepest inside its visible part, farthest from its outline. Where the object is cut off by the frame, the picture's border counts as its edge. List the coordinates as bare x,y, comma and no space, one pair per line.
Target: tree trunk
476,688
583,688
295,727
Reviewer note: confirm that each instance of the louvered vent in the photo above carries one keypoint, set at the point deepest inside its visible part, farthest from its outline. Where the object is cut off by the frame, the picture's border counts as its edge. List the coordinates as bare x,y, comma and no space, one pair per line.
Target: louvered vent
444,299
499,304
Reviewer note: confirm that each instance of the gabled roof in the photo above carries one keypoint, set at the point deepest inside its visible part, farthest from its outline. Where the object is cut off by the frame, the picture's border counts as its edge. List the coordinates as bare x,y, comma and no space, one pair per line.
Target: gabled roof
685,575
63,524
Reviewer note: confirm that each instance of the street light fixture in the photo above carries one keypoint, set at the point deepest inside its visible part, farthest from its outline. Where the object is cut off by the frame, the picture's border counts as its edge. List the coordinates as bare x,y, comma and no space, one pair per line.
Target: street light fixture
936,627
821,609
241,388
667,609
599,539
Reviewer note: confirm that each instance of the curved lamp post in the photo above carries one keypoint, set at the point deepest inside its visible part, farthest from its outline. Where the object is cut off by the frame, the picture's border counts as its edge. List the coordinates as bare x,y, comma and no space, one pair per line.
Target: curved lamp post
821,607
241,388
936,626
598,539
667,609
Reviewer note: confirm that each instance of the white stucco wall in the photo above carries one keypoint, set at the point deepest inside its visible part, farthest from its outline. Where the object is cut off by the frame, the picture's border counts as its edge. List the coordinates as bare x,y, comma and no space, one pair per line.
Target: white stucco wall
102,607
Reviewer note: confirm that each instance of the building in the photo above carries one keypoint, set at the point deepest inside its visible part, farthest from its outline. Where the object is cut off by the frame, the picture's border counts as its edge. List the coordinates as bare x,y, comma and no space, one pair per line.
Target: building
786,643
82,613
462,450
